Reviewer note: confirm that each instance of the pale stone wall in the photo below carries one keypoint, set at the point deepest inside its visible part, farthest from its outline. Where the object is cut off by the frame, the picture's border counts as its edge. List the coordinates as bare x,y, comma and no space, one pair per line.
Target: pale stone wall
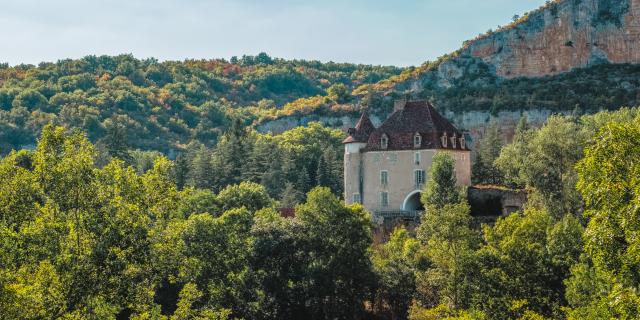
401,167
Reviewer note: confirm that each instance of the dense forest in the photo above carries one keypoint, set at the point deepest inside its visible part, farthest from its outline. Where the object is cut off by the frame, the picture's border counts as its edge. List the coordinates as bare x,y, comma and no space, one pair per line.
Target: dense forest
124,239
163,106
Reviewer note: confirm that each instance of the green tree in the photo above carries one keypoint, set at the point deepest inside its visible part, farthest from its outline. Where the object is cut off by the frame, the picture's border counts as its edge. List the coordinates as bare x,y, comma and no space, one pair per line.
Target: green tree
487,152
249,195
544,160
523,263
609,185
30,99
449,243
117,142
339,274
396,263
441,188
339,93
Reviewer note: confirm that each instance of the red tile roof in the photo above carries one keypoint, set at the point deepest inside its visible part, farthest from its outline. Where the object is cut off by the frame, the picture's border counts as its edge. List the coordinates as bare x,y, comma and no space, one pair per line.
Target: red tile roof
410,118
288,212
361,132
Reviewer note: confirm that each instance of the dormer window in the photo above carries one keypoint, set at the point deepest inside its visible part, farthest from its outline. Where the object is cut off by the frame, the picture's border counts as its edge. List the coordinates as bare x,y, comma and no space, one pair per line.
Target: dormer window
417,140
463,143
444,140
384,141
454,141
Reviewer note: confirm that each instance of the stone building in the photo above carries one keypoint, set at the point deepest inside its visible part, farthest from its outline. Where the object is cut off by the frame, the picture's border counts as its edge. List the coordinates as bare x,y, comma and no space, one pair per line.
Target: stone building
385,168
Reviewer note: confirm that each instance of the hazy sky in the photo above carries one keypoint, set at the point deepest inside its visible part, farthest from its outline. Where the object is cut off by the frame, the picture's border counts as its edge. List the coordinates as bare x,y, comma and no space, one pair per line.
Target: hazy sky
405,32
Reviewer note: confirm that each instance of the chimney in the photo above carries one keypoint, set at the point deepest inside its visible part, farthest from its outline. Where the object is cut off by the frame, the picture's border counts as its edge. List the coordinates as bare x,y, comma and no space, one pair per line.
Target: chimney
399,104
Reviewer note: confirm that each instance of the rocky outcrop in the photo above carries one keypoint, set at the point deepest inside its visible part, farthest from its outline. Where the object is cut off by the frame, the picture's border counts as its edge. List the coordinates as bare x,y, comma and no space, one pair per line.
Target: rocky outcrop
563,36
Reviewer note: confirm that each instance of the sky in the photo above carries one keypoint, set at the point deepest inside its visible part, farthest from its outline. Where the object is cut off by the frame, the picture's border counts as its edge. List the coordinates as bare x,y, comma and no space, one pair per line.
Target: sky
401,32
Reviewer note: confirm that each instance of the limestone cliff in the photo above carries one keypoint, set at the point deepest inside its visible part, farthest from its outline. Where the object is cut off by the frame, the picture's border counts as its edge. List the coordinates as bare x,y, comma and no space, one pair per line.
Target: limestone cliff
559,37
563,36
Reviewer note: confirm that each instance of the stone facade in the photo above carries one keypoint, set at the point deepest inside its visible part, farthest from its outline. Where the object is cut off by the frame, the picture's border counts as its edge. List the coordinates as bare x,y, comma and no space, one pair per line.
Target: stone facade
400,166
385,171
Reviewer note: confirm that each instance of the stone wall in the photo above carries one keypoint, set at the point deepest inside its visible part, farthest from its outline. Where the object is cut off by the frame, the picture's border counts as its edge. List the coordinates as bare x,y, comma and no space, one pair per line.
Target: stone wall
495,201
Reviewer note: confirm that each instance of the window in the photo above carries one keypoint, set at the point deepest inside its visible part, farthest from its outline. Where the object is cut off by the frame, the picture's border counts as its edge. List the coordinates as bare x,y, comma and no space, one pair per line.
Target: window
384,141
384,199
419,177
454,139
417,140
356,198
444,140
416,158
384,177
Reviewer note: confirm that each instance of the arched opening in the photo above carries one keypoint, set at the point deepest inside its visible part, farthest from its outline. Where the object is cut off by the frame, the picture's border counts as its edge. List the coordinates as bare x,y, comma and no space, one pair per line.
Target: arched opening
412,202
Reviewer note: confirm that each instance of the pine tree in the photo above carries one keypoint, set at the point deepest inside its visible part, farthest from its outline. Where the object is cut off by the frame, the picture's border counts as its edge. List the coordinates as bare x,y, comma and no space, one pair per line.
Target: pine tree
322,173
201,171
290,196
304,181
273,179
181,170
488,151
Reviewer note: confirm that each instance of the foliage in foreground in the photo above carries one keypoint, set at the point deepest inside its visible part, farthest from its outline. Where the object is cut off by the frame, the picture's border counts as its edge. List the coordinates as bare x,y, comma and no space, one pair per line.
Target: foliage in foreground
79,241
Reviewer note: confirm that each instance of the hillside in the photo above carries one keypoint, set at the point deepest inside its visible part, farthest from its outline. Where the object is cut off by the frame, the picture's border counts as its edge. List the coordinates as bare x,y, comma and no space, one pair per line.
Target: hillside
165,105
566,54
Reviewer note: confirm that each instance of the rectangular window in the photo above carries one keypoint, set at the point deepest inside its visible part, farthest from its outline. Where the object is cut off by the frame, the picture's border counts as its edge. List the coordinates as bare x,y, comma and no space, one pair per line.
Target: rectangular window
419,178
384,177
384,199
356,198
416,158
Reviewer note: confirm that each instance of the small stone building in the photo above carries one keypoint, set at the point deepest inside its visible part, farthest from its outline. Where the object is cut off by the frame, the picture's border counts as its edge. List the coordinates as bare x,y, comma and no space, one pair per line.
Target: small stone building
385,168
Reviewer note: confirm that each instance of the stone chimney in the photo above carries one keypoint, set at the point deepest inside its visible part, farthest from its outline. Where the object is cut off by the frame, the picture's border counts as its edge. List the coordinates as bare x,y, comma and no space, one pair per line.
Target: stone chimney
399,104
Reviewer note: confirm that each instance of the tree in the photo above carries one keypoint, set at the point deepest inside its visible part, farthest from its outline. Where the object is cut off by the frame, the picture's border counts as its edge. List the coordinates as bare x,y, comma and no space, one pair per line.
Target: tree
441,188
395,264
523,263
249,195
117,143
339,274
201,172
487,152
544,160
449,243
31,100
279,259
609,185
290,196
181,171
339,93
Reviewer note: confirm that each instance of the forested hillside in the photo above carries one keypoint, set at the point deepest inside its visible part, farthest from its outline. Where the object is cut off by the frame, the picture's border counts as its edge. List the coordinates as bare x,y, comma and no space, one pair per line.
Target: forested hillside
80,240
151,105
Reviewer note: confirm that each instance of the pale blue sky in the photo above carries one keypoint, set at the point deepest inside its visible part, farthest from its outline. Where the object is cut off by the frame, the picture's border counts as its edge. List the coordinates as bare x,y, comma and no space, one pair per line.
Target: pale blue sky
405,32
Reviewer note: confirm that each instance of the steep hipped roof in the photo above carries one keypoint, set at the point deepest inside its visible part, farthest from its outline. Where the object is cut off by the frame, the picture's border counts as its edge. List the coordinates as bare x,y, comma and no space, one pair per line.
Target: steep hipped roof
415,117
361,132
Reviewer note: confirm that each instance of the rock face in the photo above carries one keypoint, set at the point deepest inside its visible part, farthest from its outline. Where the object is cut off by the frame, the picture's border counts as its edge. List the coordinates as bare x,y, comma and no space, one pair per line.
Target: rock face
562,36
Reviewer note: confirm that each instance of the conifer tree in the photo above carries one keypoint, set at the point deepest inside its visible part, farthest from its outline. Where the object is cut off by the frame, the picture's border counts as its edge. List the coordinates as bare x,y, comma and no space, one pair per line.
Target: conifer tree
181,170
201,171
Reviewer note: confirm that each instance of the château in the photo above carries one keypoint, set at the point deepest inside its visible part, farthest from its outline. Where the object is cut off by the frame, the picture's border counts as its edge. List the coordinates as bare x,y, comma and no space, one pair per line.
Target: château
385,168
